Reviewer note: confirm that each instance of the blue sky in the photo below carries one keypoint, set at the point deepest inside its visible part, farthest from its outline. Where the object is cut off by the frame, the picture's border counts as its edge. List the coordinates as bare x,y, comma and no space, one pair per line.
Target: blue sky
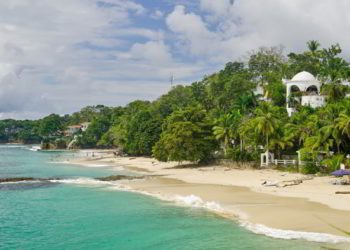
59,56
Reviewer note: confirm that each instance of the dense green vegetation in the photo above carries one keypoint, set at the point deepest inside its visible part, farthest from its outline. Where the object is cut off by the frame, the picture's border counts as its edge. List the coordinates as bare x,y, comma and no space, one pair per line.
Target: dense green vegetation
221,116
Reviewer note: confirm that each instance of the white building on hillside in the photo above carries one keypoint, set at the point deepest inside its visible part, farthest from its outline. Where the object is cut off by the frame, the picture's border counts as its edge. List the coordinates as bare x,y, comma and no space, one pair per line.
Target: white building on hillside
303,89
84,126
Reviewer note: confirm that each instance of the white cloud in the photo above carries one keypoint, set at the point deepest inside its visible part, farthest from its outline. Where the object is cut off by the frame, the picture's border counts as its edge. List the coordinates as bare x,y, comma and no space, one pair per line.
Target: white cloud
45,61
155,52
191,29
157,14
57,56
229,30
220,8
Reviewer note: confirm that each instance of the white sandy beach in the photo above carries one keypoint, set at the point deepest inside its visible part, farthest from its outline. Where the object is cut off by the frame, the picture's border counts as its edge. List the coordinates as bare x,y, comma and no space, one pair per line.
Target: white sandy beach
311,206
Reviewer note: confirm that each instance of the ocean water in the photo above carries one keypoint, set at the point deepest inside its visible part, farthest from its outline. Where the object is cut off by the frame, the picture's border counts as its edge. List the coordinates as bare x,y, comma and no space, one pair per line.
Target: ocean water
80,213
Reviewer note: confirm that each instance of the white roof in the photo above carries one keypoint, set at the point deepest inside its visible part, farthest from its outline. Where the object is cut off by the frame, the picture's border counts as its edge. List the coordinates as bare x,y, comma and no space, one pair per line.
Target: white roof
303,77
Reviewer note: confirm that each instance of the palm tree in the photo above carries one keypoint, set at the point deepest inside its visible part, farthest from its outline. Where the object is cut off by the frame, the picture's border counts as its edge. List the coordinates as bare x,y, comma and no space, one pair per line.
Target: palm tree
244,102
330,135
313,45
280,143
222,131
334,91
244,131
226,129
343,123
303,126
326,133
266,122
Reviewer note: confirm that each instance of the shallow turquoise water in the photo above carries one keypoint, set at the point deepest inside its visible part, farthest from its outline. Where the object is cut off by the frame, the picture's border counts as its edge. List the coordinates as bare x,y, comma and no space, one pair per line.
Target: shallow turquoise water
70,216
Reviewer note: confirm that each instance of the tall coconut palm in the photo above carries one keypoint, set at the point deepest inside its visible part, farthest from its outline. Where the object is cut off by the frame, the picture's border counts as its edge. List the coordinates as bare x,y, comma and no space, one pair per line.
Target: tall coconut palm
245,102
326,134
226,129
334,91
245,131
301,125
279,143
343,124
313,45
222,131
330,135
266,122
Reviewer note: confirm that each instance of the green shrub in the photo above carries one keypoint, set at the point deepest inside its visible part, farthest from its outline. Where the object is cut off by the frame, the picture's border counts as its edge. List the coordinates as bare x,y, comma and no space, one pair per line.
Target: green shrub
333,163
237,155
310,168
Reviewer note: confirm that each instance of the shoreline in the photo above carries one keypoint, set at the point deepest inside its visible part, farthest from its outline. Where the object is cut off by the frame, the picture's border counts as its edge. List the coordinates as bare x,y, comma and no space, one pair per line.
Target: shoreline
254,216
290,213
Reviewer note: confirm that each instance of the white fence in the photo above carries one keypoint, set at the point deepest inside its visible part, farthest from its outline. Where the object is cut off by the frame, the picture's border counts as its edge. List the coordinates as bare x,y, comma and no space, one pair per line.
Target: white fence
279,162
285,162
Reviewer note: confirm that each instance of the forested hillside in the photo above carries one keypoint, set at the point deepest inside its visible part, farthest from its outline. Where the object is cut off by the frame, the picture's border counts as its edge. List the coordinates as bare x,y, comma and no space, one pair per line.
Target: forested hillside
221,116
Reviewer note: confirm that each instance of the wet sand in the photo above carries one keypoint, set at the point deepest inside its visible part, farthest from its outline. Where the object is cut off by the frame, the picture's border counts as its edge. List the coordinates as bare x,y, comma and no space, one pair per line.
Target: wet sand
311,206
286,213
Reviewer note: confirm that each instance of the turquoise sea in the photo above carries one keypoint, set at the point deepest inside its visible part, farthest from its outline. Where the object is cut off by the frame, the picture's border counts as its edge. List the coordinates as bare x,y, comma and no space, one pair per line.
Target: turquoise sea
73,215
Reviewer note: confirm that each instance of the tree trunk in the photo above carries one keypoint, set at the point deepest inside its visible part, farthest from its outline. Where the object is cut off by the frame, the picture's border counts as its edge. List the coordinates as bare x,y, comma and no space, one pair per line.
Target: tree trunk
225,146
267,150
225,151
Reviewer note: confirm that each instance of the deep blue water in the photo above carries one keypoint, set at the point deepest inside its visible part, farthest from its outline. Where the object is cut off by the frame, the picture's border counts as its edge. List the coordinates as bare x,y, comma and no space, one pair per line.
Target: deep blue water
76,216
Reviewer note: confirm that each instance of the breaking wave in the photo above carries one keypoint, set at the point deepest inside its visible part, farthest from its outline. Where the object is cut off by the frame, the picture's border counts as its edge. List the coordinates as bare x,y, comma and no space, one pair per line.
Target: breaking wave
294,235
196,202
81,181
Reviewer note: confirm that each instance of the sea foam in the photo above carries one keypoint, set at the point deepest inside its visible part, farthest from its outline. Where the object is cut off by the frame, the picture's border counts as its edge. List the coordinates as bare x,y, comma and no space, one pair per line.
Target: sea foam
197,202
81,181
294,235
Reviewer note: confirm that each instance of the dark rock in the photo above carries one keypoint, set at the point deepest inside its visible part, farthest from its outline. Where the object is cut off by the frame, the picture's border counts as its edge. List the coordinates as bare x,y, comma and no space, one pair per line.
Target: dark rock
17,179
20,179
119,177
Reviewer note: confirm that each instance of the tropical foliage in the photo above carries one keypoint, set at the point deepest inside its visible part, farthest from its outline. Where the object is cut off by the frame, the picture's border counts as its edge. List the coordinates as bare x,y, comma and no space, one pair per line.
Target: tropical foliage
221,115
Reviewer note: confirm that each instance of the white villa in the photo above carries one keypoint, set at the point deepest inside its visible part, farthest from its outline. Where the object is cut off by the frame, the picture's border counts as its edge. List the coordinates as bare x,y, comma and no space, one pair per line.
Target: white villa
303,89
306,89
84,126
73,129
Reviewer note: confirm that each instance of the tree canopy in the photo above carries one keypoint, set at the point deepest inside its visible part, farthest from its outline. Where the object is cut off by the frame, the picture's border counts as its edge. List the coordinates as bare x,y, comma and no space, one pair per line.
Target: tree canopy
221,115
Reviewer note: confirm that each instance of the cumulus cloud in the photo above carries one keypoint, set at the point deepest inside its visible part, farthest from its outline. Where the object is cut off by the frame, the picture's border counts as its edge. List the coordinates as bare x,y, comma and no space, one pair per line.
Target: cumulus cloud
229,28
58,56
38,44
157,14
192,30
154,51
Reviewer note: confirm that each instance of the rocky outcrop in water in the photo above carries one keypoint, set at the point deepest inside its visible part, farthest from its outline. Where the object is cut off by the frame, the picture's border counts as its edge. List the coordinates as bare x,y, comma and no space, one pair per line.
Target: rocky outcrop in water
32,179
20,179
24,183
119,177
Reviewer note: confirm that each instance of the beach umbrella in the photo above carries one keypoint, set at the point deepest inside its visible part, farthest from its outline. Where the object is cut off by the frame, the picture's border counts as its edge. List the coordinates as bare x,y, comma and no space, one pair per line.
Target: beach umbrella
341,172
